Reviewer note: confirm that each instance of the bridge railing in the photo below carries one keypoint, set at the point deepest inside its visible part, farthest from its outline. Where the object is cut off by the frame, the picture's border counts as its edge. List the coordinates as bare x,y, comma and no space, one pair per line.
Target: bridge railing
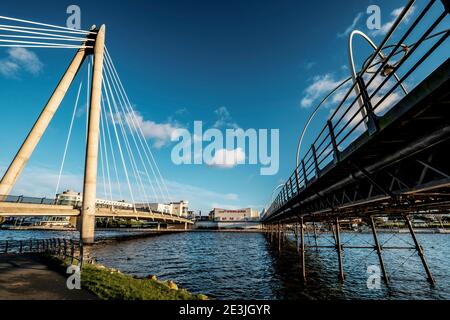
370,96
61,247
28,200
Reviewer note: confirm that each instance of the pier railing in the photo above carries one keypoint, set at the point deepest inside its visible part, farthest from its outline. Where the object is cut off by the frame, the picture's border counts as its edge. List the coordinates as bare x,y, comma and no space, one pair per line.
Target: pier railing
63,248
370,96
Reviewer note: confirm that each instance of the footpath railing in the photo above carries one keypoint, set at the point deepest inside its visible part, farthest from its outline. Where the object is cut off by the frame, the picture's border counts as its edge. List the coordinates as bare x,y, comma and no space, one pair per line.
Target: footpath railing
63,248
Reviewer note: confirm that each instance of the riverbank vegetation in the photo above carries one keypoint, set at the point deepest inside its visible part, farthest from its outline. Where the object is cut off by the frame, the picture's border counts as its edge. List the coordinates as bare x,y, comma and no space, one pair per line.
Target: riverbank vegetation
111,284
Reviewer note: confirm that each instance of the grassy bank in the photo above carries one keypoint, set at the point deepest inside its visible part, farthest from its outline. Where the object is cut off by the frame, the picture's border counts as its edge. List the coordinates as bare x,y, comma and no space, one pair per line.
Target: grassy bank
111,284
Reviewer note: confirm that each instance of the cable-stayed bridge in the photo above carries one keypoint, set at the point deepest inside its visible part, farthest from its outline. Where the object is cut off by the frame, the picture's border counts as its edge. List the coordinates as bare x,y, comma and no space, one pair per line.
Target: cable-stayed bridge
385,149
118,161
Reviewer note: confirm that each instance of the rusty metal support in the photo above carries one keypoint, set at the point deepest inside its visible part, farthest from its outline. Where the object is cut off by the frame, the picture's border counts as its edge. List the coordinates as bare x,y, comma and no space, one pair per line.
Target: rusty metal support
339,250
420,251
379,250
279,238
315,235
302,237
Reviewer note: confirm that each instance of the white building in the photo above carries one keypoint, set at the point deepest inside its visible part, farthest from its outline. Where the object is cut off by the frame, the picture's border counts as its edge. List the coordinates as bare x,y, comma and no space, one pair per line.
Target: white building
242,215
174,208
73,198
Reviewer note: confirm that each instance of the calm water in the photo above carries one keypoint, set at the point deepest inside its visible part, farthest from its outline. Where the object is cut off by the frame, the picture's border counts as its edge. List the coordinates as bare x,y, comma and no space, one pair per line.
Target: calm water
250,266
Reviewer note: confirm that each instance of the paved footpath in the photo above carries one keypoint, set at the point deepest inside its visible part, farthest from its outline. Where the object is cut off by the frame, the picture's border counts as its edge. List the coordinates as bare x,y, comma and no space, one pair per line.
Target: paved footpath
29,277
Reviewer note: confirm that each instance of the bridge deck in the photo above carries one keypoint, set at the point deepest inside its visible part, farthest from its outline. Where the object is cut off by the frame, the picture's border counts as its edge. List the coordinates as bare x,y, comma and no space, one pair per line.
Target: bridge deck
24,210
394,161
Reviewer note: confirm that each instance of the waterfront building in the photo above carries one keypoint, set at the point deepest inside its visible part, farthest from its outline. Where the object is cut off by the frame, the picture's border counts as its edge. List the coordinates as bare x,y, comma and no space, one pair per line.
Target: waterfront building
180,208
241,215
75,199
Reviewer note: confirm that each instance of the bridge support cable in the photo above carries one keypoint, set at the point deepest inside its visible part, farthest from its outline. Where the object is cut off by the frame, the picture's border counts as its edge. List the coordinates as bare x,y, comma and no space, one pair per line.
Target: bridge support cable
19,33
88,95
118,117
133,113
28,33
132,117
147,151
102,164
105,149
111,147
69,134
33,138
123,114
54,27
134,129
111,114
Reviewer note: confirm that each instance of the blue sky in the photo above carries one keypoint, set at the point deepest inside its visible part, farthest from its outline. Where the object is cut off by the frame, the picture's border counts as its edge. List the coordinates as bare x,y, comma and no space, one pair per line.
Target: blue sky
250,64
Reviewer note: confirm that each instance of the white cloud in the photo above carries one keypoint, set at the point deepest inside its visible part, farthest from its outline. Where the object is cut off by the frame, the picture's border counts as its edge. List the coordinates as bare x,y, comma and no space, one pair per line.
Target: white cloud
224,158
351,27
38,181
309,65
160,133
224,119
20,59
200,198
388,25
321,85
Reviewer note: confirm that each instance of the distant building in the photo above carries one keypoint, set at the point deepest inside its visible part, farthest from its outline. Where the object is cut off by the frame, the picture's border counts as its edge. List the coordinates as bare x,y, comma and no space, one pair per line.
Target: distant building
241,215
73,198
174,208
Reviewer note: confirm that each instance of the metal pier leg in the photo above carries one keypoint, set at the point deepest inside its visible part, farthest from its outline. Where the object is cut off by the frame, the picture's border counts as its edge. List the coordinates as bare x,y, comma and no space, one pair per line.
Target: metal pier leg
279,238
332,231
339,250
420,251
379,250
315,236
302,237
297,245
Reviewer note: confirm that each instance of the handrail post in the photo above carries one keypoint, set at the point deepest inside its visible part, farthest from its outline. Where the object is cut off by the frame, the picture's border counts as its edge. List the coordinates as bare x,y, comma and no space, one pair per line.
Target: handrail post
297,182
372,120
65,249
336,153
72,253
292,187
6,247
81,254
446,5
305,176
316,163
